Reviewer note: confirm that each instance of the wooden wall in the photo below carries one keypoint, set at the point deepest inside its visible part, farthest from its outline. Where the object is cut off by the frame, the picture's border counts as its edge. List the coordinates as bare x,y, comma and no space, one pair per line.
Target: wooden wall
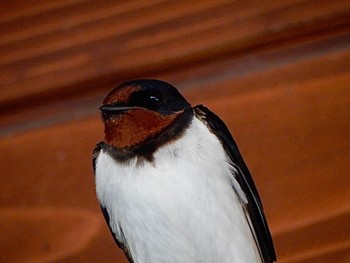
277,72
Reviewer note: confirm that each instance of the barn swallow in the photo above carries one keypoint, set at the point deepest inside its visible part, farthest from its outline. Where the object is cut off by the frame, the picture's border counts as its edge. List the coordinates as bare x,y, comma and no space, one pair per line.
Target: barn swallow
171,182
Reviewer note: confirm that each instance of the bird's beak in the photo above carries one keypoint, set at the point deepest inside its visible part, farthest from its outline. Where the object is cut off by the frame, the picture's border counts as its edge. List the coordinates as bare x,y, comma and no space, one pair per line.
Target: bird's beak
114,109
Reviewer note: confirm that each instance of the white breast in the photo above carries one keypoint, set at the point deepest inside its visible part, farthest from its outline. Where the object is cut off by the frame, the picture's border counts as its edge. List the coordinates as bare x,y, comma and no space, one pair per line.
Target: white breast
181,207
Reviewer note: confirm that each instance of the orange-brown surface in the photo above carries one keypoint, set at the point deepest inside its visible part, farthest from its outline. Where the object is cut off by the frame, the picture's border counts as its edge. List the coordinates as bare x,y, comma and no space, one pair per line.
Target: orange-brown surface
277,72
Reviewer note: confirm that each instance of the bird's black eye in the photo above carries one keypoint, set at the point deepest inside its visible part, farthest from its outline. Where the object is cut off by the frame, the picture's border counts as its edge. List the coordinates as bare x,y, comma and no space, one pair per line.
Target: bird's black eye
154,99
149,100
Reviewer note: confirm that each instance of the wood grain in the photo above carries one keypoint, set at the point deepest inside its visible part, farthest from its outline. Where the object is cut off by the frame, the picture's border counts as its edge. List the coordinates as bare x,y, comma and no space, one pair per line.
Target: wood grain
83,46
277,72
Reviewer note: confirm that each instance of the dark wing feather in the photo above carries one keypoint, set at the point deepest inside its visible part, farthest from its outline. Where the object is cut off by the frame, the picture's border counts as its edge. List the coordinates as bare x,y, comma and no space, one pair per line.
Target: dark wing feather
120,242
254,207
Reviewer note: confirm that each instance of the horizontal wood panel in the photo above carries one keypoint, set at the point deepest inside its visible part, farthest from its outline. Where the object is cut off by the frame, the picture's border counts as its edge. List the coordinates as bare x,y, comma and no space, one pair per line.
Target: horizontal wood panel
124,46
38,233
286,173
278,73
309,240
231,76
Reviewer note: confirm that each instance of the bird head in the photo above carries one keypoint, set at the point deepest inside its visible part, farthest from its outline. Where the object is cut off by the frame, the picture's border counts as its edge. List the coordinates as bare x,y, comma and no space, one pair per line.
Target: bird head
143,111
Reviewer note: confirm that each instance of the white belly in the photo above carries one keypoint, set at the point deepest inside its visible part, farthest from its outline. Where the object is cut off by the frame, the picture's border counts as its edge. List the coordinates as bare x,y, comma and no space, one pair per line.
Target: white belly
181,207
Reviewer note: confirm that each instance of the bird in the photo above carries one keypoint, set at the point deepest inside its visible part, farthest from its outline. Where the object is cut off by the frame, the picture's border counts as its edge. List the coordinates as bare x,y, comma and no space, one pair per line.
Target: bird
171,182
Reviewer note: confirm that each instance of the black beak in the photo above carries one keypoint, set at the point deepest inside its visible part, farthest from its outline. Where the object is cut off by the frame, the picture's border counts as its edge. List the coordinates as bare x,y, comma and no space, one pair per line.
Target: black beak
113,109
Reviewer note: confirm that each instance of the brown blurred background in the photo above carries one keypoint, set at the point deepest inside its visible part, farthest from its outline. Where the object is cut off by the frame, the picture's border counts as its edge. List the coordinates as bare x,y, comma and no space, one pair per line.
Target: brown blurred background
277,72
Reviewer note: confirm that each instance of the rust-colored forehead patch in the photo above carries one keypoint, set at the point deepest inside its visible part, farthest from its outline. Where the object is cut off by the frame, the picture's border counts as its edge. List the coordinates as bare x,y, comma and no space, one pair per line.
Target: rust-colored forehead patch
136,126
120,94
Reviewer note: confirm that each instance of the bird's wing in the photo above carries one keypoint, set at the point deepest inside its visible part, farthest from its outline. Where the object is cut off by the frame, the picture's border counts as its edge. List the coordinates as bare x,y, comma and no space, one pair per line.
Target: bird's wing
254,210
119,239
